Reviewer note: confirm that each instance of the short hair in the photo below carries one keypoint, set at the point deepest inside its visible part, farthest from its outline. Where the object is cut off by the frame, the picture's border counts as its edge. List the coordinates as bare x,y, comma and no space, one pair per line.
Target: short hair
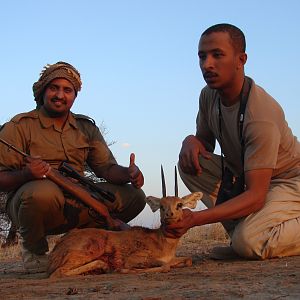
236,35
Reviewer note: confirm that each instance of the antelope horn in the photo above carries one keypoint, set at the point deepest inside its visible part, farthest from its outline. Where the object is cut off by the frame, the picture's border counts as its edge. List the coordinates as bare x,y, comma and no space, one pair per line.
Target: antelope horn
163,183
176,183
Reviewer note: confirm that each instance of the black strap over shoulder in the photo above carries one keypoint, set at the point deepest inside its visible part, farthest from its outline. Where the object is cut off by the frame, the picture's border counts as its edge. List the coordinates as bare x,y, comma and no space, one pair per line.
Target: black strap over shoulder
232,186
244,95
244,99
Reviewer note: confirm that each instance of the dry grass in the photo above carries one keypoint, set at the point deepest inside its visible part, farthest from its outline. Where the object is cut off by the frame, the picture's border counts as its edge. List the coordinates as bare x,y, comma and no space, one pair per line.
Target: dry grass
203,235
214,232
199,241
10,252
13,252
206,236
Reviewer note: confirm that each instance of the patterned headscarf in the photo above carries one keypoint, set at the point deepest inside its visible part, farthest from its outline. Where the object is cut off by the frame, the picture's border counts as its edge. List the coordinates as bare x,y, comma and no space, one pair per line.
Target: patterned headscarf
50,72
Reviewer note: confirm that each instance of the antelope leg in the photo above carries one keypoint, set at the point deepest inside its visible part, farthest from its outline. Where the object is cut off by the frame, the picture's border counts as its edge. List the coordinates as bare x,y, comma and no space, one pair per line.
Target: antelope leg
180,262
93,265
162,269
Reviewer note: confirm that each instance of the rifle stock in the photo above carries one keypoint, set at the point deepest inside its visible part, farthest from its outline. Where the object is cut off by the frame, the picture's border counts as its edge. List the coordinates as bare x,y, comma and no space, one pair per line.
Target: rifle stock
82,195
77,191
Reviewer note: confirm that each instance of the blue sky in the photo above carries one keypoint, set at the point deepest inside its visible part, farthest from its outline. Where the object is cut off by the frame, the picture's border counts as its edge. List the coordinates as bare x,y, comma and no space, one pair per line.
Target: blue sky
139,66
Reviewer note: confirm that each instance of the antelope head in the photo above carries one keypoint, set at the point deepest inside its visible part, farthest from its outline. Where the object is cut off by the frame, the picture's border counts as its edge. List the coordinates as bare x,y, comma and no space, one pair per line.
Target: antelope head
171,207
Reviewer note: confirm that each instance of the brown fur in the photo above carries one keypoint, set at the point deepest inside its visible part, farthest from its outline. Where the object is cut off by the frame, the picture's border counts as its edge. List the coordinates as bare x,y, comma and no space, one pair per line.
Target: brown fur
139,249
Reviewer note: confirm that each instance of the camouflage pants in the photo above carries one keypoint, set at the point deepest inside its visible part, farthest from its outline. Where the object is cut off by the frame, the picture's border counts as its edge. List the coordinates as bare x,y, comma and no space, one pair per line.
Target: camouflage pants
40,208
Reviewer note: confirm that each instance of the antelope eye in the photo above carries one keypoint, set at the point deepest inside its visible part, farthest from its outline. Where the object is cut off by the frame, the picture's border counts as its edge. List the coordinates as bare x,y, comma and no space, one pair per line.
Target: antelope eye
161,207
179,205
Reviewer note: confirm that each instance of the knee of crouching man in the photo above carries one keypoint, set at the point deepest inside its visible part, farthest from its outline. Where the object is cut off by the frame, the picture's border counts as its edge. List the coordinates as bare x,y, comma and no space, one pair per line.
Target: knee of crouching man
41,195
246,243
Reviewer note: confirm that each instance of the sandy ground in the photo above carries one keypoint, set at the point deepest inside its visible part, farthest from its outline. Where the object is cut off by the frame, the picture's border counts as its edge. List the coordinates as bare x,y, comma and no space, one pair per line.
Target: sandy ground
206,279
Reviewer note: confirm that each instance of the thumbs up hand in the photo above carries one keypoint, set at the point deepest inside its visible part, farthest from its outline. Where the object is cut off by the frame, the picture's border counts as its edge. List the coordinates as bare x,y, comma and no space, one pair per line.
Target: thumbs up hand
135,175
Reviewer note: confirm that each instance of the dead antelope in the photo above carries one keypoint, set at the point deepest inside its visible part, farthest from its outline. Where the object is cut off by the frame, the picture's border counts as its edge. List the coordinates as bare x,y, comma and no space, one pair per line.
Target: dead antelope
139,249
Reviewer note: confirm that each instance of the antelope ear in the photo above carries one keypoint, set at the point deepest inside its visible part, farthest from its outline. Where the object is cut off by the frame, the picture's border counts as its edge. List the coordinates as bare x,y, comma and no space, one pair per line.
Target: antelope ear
153,202
190,200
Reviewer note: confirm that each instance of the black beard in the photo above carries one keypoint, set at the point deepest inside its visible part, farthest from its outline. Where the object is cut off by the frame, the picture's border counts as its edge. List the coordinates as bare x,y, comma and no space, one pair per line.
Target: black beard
53,114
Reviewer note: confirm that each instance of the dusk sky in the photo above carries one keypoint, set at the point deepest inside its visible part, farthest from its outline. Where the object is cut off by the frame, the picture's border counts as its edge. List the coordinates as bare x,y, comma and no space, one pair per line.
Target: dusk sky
139,66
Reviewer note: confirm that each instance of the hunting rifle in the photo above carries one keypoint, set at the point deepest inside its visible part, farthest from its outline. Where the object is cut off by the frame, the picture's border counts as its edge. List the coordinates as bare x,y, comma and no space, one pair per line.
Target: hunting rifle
65,168
78,191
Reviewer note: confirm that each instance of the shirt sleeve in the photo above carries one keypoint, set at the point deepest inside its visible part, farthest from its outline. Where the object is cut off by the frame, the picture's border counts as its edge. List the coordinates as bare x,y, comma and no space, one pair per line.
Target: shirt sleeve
262,139
9,159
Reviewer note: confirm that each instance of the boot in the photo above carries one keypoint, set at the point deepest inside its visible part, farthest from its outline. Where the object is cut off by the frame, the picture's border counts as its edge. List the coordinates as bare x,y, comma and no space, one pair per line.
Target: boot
32,262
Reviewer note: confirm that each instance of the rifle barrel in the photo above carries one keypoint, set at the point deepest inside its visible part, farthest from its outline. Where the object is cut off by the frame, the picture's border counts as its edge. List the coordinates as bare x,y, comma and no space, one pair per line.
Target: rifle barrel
10,146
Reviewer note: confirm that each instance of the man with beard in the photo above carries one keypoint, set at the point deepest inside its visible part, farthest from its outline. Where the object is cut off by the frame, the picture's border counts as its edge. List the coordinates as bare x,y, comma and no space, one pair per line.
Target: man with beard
52,134
253,187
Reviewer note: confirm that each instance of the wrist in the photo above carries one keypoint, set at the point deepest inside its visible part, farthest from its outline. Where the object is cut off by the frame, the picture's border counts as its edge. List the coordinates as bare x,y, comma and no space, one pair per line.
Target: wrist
196,219
193,220
189,138
192,139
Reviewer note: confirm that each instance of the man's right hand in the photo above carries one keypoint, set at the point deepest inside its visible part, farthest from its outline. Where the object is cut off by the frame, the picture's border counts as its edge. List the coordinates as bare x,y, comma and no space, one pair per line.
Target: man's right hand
189,154
36,168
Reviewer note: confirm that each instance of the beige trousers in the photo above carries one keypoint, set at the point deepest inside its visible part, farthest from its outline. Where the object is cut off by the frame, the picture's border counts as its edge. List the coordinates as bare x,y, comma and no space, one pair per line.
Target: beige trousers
274,231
